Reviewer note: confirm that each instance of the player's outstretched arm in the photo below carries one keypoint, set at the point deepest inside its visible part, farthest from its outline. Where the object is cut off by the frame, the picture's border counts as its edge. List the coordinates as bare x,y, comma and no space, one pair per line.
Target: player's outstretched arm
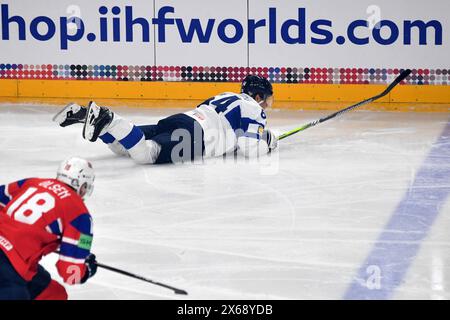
76,264
255,140
252,147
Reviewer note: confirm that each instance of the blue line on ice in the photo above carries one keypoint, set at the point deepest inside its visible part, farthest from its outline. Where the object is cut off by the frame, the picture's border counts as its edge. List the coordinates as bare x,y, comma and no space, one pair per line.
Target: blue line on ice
399,242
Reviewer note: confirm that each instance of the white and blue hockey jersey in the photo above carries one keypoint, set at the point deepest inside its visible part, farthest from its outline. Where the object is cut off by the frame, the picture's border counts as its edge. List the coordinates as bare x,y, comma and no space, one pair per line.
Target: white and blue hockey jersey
232,122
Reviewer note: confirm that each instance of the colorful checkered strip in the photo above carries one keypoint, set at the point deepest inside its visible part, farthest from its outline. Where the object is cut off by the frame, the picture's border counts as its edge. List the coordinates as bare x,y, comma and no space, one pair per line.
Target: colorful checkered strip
312,75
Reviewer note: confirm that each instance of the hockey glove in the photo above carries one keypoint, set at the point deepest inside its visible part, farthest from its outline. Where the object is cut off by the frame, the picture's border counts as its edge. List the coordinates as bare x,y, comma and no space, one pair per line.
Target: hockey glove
91,267
271,139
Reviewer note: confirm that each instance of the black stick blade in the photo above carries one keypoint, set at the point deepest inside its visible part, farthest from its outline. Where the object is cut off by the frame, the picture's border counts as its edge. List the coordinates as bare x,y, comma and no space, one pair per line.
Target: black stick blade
181,292
403,75
397,80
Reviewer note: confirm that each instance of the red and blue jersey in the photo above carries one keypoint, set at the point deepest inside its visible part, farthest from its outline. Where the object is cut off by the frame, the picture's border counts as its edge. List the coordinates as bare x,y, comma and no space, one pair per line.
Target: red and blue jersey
41,216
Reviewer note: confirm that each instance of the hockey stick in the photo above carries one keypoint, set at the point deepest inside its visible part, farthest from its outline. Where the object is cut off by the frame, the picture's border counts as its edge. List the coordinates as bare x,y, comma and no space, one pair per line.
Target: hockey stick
132,275
399,79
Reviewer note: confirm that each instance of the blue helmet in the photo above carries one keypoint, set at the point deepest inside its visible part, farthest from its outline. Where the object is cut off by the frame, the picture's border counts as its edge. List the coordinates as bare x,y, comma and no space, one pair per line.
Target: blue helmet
257,85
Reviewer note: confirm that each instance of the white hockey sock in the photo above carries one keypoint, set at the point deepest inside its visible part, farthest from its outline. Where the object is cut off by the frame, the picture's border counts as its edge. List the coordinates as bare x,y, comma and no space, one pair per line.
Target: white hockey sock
132,139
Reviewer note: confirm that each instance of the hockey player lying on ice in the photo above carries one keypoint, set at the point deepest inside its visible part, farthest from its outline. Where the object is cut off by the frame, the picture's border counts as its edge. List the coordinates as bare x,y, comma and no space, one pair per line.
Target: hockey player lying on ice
38,217
222,124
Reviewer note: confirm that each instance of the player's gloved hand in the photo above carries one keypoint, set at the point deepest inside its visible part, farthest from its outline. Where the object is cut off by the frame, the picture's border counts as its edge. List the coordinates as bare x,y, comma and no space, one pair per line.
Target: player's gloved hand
91,267
271,139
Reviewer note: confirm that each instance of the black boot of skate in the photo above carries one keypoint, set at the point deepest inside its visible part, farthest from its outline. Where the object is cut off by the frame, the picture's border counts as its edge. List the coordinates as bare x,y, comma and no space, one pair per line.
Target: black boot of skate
97,119
70,114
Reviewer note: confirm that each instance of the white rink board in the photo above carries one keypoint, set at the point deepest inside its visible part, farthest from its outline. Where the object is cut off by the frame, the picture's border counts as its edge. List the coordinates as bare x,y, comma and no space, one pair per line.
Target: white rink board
175,52
341,13
172,51
82,52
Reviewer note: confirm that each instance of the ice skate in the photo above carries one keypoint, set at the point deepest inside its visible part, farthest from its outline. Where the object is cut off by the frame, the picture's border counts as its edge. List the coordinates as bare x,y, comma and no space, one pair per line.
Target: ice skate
70,114
97,119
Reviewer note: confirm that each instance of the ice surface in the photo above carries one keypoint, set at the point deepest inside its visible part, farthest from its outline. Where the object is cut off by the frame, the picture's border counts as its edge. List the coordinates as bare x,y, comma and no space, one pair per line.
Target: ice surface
297,225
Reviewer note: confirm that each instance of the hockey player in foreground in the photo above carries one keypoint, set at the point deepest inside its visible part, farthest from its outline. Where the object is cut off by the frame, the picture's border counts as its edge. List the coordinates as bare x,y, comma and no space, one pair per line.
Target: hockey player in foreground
38,217
223,124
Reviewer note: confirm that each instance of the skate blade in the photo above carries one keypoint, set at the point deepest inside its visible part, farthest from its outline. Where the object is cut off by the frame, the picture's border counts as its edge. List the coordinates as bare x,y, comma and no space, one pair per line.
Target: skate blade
61,116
